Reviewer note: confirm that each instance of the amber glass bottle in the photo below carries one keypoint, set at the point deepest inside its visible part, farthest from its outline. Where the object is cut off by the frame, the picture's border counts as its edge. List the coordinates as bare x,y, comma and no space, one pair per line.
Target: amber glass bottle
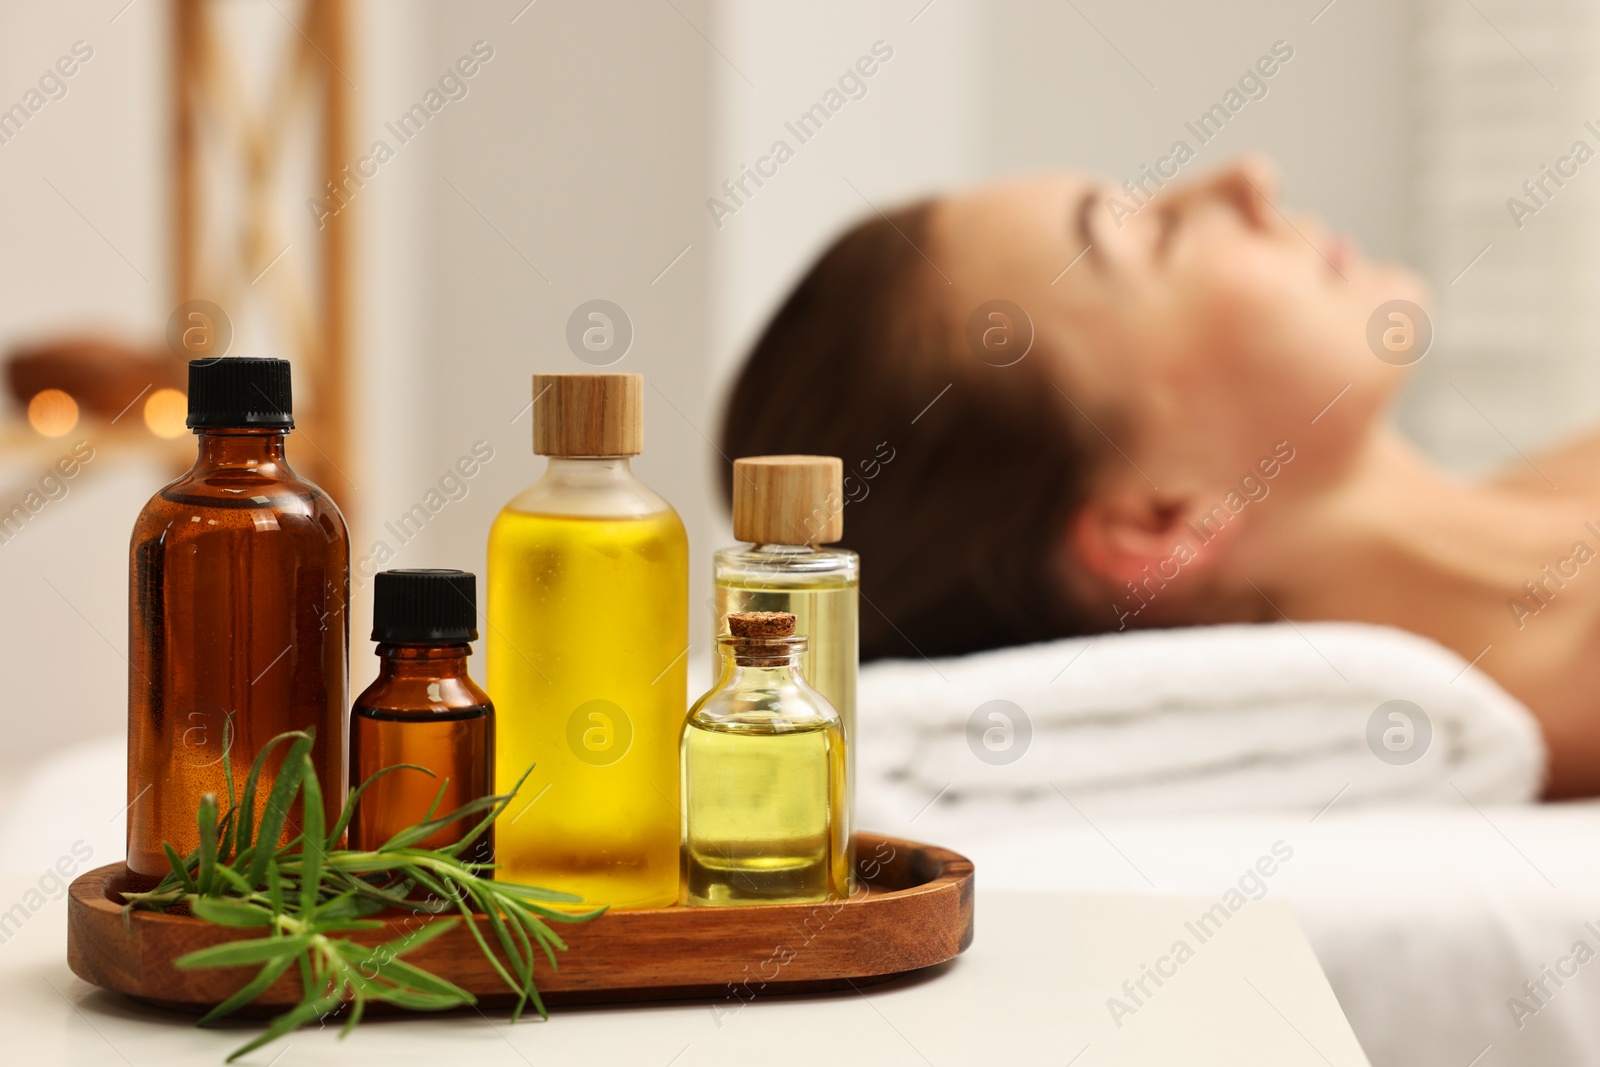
239,576
423,710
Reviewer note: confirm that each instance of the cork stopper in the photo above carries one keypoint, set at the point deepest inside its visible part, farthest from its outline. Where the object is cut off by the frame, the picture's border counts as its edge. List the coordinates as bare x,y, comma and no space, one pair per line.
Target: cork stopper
761,624
588,414
788,500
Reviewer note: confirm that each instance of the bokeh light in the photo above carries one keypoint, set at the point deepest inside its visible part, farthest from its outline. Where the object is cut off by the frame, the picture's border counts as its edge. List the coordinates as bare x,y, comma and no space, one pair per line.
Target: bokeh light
52,412
165,412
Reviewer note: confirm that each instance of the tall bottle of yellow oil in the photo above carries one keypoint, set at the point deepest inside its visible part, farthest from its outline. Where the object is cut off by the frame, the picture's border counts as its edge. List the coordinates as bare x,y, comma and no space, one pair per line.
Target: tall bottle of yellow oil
588,631
790,509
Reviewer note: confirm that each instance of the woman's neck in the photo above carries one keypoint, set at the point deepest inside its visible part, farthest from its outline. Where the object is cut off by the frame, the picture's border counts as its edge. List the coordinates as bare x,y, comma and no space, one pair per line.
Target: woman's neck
1400,542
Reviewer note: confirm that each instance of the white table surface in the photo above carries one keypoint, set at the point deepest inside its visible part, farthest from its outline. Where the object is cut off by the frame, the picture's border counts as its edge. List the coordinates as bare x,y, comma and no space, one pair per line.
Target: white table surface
1033,989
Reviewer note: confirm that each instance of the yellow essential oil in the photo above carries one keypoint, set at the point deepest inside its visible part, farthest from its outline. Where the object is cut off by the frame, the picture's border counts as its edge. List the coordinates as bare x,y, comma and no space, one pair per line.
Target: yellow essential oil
789,509
587,640
761,813
765,778
824,605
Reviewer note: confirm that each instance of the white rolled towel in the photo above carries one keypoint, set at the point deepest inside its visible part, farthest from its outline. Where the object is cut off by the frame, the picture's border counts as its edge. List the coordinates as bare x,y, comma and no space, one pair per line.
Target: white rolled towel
1271,716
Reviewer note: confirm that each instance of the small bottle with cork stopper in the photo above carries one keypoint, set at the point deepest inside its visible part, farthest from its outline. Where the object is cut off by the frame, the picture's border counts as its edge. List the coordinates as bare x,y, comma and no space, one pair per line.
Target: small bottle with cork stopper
788,509
764,777
588,633
423,710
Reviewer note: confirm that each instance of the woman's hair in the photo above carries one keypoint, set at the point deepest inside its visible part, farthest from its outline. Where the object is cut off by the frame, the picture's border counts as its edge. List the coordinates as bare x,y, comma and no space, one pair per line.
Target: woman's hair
960,476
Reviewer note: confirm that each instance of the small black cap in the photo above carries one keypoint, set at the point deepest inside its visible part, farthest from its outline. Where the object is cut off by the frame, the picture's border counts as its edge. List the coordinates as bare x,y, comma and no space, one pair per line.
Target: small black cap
425,607
240,391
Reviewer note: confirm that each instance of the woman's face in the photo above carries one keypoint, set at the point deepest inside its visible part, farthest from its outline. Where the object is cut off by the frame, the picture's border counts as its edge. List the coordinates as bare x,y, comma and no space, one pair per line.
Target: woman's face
1213,322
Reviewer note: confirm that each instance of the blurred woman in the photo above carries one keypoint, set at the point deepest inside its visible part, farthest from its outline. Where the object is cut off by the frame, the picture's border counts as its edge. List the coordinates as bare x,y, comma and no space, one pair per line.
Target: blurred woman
1102,412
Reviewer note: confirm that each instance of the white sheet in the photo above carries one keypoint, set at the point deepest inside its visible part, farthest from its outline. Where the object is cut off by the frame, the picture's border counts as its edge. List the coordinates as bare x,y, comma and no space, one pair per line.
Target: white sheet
1427,919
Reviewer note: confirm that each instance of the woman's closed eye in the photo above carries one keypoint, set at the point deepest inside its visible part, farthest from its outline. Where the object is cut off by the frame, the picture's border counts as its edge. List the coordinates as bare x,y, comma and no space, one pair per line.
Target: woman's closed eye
1167,222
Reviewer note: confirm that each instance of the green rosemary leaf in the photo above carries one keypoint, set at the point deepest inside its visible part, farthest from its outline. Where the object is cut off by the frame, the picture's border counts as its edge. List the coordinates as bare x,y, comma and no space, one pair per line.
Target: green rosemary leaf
553,915
239,953
520,919
274,887
411,835
247,802
530,892
207,819
538,1002
416,1001
491,911
417,938
438,888
438,798
151,901
379,898
225,912
225,836
311,833
544,937
501,802
308,981
229,820
227,757
242,859
414,977
249,991
483,946
520,955
234,879
399,861
341,907
349,810
179,868
395,970
358,1006
291,1020
281,796
543,934
348,925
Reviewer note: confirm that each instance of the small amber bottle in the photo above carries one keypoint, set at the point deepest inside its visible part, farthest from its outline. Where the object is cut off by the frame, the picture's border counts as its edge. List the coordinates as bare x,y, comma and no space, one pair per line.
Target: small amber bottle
424,710
764,777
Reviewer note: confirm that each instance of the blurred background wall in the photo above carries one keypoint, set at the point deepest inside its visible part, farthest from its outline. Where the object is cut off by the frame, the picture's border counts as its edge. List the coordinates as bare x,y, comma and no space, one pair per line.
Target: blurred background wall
578,166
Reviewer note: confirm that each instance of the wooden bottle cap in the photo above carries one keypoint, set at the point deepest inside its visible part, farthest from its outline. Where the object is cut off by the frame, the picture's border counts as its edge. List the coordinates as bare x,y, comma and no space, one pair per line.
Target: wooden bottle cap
761,624
788,500
588,414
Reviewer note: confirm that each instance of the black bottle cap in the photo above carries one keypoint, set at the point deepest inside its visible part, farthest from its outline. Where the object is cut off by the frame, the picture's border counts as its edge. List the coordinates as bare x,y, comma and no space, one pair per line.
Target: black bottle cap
425,607
240,391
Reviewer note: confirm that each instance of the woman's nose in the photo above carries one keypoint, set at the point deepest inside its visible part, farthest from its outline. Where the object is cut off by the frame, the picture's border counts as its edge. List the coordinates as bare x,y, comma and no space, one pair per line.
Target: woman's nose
1254,185
1251,185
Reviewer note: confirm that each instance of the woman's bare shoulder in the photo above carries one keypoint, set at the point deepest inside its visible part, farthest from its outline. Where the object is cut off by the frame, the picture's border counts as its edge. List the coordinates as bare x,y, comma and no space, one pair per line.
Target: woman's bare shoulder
1571,465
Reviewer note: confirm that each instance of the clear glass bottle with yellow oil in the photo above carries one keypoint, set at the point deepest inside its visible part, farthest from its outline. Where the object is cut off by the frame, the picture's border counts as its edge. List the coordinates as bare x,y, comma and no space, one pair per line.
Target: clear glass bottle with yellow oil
587,635
764,777
789,509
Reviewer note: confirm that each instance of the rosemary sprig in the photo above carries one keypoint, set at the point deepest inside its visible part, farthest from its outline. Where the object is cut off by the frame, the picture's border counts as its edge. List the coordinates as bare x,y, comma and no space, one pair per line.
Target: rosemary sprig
307,895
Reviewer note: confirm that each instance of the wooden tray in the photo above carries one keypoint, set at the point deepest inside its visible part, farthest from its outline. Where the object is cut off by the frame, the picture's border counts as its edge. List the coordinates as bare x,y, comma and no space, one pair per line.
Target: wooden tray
914,912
